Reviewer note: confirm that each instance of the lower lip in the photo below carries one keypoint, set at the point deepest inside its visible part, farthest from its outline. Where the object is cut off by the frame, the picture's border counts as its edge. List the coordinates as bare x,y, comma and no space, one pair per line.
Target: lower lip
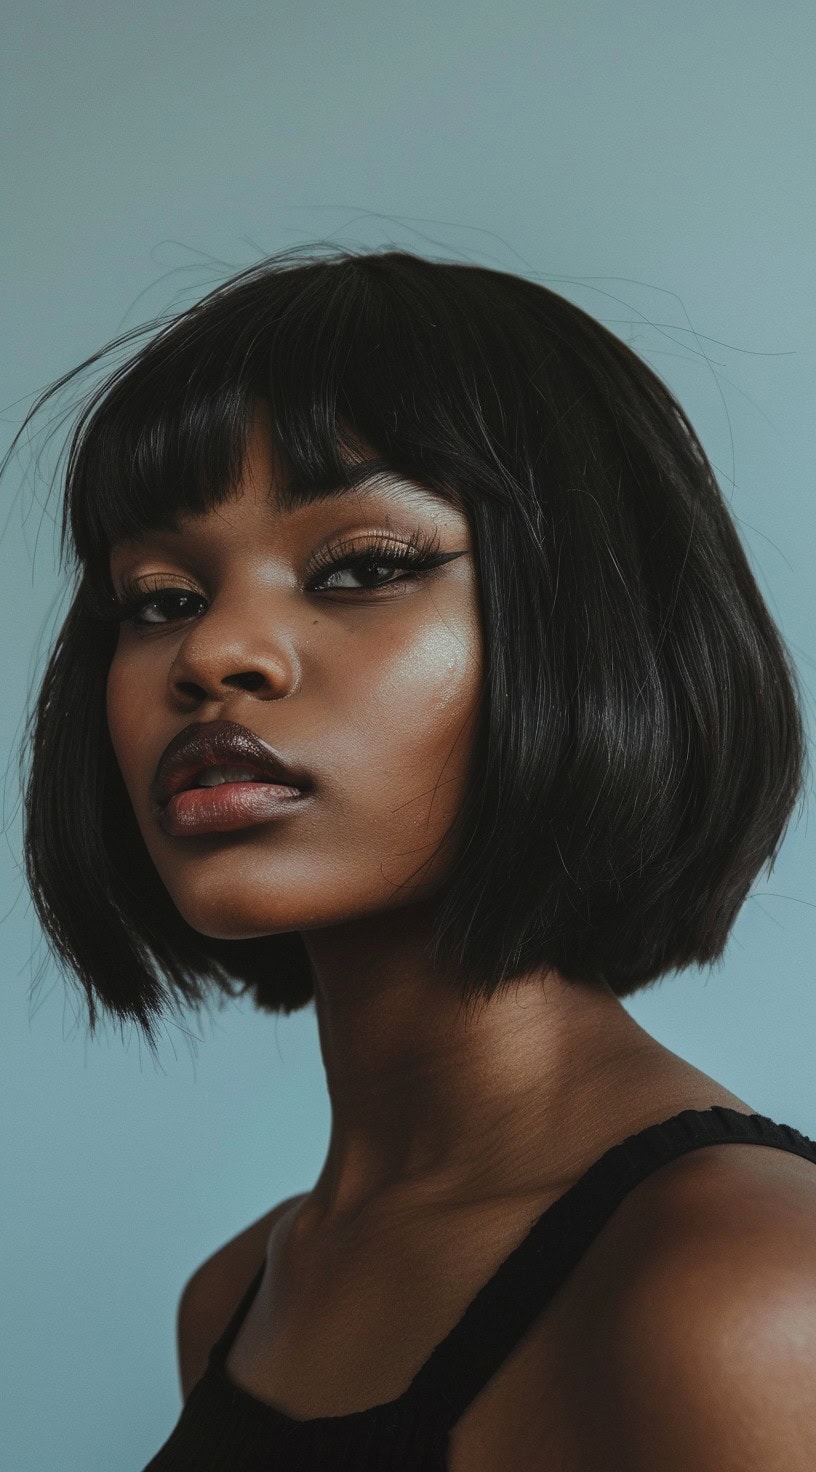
228,806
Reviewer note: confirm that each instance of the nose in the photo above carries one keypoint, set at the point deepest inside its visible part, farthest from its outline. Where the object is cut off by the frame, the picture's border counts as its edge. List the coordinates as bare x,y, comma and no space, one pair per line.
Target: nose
219,655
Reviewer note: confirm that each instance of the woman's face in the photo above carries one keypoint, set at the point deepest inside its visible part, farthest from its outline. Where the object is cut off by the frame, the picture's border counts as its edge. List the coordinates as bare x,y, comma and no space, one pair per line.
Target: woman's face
374,693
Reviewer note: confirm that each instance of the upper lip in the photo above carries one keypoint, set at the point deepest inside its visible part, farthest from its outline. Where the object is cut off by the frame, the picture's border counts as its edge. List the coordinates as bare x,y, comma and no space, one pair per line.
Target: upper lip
219,743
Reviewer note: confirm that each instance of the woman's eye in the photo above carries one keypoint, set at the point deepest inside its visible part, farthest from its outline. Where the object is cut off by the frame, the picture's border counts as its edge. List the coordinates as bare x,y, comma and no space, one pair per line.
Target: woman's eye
363,569
170,598
414,559
372,568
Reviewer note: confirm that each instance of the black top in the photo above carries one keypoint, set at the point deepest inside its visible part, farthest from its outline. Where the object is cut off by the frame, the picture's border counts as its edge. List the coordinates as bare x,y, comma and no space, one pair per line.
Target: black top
223,1428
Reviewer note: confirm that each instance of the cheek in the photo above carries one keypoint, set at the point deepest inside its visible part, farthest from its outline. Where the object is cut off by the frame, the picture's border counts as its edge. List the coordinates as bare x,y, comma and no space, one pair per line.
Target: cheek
113,705
124,705
412,712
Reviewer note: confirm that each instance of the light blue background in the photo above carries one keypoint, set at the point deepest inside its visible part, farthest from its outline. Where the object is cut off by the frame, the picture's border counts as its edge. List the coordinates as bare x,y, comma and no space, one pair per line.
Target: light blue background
652,161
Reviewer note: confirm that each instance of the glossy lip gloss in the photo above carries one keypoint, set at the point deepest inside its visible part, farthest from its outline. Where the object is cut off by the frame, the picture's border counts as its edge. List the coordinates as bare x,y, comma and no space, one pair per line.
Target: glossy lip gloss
227,806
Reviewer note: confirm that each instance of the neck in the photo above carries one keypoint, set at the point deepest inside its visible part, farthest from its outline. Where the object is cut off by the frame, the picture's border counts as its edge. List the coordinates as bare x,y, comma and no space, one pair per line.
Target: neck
435,1104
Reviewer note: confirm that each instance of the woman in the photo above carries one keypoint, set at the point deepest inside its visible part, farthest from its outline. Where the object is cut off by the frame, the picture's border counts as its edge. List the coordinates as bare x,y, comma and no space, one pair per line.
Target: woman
415,668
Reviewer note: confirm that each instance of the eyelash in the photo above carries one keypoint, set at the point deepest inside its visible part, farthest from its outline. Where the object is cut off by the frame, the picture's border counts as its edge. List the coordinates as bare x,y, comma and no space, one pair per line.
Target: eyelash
419,556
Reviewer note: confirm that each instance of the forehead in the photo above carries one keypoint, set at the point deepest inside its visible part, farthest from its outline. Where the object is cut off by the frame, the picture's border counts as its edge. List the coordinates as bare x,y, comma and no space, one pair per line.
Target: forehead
267,470
370,485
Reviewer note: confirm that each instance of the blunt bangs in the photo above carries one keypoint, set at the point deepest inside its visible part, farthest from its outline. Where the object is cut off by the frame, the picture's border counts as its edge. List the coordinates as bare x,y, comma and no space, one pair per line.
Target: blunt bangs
336,356
641,742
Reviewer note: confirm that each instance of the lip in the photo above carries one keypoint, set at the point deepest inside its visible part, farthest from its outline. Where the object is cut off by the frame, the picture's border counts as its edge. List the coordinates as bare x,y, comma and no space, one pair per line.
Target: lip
229,806
220,743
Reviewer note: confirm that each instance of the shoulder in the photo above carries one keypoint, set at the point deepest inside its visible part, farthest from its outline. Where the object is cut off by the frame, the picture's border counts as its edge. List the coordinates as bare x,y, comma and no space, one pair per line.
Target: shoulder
703,1347
213,1291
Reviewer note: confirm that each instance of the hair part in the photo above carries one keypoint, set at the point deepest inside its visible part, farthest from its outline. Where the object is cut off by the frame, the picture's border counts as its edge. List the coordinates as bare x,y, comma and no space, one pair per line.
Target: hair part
641,741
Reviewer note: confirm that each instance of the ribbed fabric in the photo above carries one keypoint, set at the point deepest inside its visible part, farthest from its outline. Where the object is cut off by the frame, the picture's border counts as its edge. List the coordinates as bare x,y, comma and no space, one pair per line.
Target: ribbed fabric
223,1428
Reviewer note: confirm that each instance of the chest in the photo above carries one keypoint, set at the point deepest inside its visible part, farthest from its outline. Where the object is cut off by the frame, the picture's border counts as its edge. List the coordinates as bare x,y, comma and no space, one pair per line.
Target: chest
329,1336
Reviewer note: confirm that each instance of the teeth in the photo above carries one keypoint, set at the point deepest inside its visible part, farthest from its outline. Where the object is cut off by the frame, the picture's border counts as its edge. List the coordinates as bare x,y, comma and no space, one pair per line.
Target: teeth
214,776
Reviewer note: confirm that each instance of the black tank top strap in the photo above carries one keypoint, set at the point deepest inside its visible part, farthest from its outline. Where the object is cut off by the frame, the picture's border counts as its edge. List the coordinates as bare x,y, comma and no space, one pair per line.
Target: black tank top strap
507,1305
222,1345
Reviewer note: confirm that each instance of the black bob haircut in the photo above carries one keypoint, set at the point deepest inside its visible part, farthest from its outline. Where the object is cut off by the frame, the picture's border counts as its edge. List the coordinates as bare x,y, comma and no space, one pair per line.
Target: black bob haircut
641,740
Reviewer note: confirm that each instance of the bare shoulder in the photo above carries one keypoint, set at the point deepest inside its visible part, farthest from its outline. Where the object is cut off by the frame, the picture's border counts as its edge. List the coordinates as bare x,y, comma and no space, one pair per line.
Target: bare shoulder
703,1346
212,1292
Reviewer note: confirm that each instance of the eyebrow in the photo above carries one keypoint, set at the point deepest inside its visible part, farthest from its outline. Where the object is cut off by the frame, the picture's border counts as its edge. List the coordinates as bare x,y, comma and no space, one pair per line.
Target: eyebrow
295,494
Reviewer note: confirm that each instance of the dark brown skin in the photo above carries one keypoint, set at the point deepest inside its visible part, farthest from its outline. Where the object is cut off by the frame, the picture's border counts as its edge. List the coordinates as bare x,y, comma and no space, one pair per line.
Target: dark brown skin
449,1135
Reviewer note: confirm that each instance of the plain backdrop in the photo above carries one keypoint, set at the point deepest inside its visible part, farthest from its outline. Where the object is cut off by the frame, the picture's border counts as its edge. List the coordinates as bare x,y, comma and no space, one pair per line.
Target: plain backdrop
653,162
